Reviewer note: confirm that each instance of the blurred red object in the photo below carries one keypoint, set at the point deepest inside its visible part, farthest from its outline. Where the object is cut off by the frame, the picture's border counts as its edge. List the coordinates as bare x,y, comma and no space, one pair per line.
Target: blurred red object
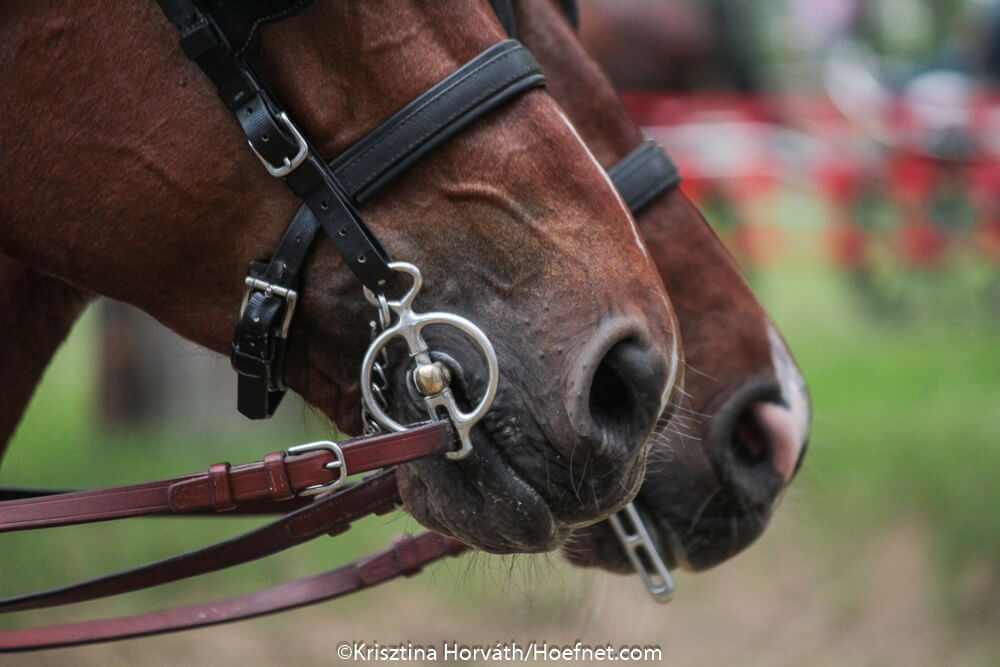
921,243
848,245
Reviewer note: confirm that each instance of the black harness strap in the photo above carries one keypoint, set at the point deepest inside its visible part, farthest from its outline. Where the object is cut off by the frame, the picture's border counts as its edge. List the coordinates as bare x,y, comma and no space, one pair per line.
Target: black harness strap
239,20
504,10
643,175
331,192
572,12
493,78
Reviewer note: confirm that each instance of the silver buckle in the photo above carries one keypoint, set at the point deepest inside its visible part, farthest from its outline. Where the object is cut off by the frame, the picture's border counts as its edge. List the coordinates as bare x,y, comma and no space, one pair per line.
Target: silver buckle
339,464
289,295
291,164
659,582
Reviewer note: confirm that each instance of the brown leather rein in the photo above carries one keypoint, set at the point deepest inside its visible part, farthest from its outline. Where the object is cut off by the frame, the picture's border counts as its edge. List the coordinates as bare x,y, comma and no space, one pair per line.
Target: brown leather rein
307,482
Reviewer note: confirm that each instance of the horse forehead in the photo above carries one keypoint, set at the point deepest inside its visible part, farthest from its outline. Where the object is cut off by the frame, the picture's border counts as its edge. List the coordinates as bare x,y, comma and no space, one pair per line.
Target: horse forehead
239,20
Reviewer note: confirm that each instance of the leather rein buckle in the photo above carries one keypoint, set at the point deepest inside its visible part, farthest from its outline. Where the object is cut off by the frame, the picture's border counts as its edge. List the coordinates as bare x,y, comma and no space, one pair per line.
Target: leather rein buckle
338,464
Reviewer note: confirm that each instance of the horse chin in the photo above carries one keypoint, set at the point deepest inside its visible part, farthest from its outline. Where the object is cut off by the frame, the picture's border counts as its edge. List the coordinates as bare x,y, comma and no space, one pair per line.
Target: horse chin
480,500
714,541
685,541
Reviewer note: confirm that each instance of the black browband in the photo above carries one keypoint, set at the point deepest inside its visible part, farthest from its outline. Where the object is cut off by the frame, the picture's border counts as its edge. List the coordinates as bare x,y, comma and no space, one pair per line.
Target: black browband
332,192
643,175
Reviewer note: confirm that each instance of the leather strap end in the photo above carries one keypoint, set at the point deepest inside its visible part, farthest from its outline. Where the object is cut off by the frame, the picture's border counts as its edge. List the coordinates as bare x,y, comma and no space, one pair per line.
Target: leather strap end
456,547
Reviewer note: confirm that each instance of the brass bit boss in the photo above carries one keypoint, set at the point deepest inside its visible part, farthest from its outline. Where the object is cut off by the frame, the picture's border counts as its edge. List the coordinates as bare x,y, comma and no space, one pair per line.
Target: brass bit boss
431,379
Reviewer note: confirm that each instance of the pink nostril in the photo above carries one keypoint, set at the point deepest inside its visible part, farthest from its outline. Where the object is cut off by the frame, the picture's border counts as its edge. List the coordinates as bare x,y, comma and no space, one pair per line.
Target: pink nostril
777,433
757,442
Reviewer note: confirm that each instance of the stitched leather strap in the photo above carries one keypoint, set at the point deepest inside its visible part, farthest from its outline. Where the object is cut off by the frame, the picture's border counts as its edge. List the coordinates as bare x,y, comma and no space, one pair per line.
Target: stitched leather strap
330,514
643,175
406,556
224,487
496,76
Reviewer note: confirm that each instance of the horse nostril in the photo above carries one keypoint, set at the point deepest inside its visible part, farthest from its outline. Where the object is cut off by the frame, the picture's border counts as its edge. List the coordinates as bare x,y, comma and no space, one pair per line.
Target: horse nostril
757,444
750,441
779,436
626,392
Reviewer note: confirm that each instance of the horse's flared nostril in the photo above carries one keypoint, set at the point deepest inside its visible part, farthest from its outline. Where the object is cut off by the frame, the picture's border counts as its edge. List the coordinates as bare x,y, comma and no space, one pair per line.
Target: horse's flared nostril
626,393
757,444
767,430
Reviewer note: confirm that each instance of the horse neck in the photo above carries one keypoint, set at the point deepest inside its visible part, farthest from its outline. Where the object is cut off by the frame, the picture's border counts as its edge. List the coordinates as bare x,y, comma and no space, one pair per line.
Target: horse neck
36,313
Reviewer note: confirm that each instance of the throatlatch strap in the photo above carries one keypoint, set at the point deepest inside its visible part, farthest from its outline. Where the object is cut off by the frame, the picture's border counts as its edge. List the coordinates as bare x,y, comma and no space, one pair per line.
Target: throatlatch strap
643,175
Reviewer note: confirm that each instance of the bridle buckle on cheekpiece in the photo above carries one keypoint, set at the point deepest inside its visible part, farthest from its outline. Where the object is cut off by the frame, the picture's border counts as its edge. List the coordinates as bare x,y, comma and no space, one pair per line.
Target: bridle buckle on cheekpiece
290,296
409,326
290,163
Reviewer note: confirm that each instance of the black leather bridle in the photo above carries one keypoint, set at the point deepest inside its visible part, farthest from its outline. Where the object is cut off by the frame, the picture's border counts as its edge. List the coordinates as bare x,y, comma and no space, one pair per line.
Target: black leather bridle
216,37
331,191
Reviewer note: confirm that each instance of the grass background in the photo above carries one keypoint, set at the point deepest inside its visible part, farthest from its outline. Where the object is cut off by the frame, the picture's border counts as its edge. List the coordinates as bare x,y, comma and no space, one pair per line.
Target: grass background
901,482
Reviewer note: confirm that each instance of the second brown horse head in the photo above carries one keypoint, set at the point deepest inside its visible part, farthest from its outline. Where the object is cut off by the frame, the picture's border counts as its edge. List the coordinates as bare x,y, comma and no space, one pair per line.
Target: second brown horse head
714,478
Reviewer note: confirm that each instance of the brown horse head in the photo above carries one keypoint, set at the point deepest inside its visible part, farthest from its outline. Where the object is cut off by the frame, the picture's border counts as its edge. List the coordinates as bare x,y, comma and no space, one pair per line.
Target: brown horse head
134,181
740,435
